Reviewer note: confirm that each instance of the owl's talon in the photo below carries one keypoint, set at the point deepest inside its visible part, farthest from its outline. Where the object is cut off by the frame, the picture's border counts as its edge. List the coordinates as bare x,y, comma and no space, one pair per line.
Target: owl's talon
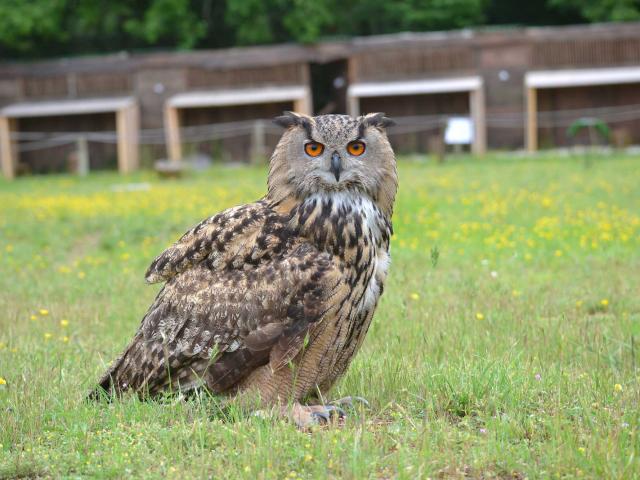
335,410
321,417
307,416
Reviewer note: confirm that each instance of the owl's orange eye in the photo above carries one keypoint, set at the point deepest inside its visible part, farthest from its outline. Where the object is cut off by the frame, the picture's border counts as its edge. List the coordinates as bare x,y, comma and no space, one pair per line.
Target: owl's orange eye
313,149
356,148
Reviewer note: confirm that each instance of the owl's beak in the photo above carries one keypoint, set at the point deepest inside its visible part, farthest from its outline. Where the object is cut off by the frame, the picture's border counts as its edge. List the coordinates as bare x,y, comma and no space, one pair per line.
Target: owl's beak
336,165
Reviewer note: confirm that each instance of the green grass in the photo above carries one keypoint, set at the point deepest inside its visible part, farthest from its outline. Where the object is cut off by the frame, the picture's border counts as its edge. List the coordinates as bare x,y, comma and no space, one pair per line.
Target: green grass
505,345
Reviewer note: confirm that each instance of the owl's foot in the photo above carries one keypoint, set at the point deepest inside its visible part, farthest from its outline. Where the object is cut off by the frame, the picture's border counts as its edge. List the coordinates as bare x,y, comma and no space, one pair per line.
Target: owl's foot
306,416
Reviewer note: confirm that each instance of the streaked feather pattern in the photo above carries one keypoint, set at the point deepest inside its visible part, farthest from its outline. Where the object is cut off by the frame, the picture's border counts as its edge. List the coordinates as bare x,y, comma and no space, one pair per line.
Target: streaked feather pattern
291,280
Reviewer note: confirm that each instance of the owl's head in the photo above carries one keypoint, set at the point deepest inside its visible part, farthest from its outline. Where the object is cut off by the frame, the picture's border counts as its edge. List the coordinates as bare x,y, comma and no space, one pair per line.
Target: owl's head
334,153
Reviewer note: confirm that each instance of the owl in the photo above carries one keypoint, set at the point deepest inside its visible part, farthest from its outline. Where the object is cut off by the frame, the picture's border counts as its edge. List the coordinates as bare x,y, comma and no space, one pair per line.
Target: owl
271,300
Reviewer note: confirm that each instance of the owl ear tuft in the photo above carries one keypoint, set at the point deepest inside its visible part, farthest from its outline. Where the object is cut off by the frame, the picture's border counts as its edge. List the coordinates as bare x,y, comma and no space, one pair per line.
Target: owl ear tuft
290,119
377,120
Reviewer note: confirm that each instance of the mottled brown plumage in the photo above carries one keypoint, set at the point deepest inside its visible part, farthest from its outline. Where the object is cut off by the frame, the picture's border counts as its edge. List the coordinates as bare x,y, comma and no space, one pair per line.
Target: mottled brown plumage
274,297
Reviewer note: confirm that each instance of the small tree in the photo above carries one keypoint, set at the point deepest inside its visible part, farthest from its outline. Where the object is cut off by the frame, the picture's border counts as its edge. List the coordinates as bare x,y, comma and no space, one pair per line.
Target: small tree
594,127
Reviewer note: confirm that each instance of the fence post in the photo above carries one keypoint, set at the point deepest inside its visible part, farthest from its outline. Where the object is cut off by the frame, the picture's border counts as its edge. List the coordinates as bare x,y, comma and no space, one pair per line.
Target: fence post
258,142
172,132
531,131
478,114
304,104
353,105
8,154
82,149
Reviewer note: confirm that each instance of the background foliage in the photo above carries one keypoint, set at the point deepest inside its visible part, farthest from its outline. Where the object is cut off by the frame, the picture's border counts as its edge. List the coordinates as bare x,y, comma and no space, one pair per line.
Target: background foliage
44,28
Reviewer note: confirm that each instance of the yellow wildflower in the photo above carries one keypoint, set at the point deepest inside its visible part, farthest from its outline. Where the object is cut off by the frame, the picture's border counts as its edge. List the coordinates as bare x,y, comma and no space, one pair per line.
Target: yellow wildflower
47,336
617,387
44,312
414,296
2,381
604,302
479,316
65,339
582,449
64,322
81,275
558,253
34,317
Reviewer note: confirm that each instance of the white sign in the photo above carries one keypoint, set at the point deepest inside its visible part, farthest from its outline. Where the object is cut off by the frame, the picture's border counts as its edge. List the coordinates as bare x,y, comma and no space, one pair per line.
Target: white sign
459,131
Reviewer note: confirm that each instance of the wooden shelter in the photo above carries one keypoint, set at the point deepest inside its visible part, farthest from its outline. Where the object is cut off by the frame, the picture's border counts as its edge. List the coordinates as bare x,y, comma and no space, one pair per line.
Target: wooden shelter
538,81
298,96
501,58
199,88
125,110
418,77
472,85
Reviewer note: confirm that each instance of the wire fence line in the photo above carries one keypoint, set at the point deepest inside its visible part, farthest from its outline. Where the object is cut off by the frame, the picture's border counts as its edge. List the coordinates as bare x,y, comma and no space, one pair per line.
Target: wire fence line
200,133
32,141
564,118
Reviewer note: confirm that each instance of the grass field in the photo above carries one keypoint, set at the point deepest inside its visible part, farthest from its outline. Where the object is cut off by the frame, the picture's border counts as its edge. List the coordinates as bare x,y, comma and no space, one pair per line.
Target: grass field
505,345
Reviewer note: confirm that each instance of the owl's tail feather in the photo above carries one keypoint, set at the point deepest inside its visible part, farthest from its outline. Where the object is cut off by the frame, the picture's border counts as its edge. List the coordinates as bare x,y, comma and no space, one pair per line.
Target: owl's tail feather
125,373
103,391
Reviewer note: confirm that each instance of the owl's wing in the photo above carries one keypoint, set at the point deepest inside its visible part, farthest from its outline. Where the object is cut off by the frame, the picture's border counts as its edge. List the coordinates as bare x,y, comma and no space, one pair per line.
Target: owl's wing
214,235
216,326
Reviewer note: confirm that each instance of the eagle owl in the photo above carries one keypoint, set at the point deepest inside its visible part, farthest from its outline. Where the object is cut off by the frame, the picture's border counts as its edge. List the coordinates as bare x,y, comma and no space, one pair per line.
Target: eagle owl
274,298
